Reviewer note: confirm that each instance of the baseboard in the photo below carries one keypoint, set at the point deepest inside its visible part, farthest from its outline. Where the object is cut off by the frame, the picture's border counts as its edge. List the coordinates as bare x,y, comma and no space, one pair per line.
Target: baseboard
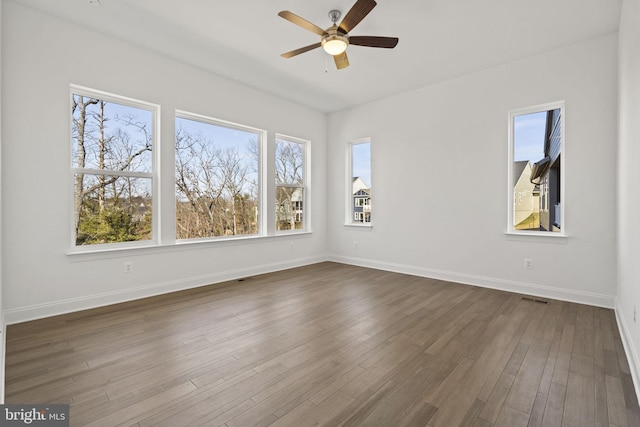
629,348
589,298
40,311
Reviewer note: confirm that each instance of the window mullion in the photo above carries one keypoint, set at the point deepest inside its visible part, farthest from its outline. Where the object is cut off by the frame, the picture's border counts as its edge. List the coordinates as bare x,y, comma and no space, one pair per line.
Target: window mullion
133,174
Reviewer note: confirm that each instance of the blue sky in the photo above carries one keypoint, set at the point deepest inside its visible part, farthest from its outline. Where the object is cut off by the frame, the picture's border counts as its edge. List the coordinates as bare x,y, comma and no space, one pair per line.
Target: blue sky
361,158
222,136
528,135
137,138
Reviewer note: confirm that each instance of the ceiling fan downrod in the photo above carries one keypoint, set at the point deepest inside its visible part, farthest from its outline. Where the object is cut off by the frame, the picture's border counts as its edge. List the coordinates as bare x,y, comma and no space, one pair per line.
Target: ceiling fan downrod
335,15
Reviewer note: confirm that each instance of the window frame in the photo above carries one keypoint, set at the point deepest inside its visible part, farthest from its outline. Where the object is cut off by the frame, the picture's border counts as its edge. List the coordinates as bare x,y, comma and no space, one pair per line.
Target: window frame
510,169
163,235
350,199
262,139
155,111
306,175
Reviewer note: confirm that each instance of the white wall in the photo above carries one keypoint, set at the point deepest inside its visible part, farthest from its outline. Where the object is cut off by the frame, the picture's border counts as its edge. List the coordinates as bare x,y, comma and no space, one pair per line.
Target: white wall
629,182
44,56
439,181
3,329
439,184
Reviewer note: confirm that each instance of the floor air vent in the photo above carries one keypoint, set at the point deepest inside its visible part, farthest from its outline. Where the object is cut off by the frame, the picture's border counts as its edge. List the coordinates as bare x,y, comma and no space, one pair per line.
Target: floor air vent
531,299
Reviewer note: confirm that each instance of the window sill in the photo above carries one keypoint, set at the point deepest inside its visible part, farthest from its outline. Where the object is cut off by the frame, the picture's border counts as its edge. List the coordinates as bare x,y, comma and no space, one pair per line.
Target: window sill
182,245
91,250
368,226
283,233
538,236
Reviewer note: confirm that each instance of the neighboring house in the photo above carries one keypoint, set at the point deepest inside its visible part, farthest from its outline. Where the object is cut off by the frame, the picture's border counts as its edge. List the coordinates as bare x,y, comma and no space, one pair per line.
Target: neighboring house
289,213
546,173
526,197
361,201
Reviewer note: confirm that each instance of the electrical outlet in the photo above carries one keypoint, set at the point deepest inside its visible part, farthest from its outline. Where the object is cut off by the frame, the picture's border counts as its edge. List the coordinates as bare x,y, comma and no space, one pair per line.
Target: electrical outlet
291,245
528,263
128,266
355,244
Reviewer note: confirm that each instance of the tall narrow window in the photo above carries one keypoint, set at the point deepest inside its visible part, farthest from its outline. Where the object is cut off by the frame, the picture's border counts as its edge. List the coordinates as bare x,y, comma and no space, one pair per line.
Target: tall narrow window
112,149
290,168
359,186
217,178
536,170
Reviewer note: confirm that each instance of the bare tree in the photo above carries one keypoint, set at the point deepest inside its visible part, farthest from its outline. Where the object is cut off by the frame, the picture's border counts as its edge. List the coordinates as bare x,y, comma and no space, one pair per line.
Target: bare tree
197,184
289,177
289,163
215,189
99,146
79,114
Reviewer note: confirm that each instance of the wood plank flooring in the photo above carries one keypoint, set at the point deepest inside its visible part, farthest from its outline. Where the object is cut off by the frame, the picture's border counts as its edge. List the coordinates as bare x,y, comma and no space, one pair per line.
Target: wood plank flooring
328,344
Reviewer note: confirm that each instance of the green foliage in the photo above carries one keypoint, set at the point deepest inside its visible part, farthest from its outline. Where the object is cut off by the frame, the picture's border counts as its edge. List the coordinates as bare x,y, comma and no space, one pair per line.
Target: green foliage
110,225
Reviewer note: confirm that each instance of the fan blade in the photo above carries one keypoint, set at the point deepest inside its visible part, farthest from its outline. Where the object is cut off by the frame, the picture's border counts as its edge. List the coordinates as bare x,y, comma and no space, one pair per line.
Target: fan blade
373,41
356,14
341,60
300,50
292,17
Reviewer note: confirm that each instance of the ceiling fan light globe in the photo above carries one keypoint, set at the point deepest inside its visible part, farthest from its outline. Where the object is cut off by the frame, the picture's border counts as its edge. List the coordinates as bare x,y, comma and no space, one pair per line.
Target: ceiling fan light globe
334,46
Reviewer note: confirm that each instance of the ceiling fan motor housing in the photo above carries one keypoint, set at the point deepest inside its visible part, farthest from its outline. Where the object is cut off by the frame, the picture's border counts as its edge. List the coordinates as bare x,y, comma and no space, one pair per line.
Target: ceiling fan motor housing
334,41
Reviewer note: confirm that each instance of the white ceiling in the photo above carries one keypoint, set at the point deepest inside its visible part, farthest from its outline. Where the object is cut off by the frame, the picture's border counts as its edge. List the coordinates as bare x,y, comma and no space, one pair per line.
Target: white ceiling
439,39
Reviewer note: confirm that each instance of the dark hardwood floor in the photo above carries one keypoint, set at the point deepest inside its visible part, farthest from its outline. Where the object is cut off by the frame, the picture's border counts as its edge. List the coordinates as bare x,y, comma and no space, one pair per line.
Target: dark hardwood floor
328,344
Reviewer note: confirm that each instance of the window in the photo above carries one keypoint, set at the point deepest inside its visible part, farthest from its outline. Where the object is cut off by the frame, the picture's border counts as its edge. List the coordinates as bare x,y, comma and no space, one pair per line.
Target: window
359,185
218,189
362,199
113,141
290,169
536,170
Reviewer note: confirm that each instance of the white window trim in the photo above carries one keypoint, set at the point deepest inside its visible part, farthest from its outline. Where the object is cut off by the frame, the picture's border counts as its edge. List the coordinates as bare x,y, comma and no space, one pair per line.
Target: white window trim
349,202
262,134
510,184
306,183
153,175
161,243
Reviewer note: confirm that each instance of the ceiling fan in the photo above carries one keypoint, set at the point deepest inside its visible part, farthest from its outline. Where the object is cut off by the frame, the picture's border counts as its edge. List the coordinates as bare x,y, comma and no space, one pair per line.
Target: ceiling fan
335,39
